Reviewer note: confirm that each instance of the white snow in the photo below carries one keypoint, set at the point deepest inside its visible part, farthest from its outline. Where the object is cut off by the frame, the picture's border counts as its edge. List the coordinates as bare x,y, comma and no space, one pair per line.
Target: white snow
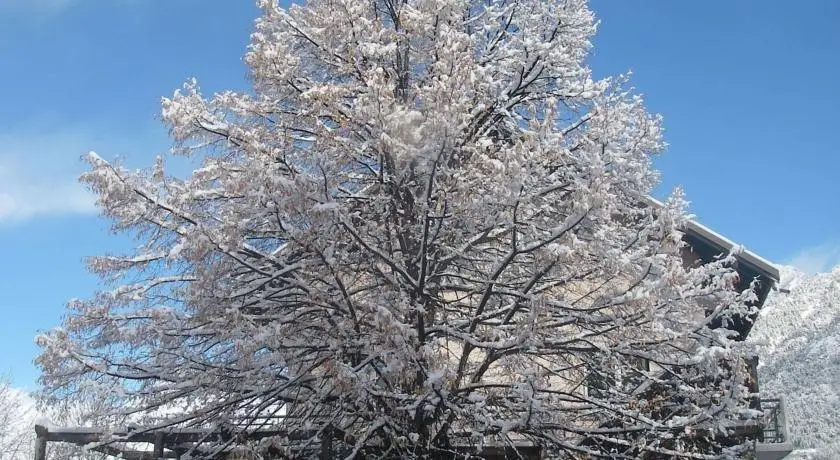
797,337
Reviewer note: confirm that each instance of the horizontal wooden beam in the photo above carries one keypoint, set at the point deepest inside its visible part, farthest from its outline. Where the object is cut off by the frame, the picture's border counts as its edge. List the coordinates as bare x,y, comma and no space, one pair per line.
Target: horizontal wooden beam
130,454
169,435
169,442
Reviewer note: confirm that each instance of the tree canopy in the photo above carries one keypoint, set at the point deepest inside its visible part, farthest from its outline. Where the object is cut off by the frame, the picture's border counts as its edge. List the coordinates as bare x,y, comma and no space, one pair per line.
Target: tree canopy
426,229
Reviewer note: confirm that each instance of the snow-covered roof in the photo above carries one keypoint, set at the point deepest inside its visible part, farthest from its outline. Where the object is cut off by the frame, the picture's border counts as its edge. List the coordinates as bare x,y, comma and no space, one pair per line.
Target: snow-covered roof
724,244
744,256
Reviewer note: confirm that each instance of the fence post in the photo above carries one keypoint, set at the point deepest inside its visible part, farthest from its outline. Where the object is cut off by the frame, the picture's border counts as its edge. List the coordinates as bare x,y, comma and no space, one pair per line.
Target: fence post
158,452
41,442
326,443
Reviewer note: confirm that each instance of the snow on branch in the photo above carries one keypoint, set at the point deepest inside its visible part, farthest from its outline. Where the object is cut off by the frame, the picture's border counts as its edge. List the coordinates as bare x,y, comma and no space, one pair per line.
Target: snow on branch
425,229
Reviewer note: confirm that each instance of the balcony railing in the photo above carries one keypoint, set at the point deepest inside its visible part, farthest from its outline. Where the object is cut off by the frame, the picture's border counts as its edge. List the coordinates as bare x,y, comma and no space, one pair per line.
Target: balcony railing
774,429
772,441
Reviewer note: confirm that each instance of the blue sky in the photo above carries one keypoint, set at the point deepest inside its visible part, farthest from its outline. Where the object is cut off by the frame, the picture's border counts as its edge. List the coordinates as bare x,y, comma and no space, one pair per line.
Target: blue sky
748,90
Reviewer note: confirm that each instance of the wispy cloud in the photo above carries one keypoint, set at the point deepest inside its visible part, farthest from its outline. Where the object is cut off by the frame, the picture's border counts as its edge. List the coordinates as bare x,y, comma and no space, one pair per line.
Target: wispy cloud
40,162
38,173
817,259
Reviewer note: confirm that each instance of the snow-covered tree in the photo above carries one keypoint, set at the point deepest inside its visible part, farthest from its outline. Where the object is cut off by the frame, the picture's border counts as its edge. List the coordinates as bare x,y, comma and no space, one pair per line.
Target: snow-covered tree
16,410
797,337
424,231
18,417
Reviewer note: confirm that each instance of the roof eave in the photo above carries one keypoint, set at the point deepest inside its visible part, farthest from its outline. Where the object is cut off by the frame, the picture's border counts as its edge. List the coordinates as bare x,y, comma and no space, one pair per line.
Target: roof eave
749,258
753,260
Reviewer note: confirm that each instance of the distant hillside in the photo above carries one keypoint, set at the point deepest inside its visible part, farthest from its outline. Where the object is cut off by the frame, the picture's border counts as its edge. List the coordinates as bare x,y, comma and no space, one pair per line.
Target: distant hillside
797,337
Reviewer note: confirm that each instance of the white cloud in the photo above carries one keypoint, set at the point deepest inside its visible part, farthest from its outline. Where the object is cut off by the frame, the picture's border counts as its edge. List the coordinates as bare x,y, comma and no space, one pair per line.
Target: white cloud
40,162
38,172
817,259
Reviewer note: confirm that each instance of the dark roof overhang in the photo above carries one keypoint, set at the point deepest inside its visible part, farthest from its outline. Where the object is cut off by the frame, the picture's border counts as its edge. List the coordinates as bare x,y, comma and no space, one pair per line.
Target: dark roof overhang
746,259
